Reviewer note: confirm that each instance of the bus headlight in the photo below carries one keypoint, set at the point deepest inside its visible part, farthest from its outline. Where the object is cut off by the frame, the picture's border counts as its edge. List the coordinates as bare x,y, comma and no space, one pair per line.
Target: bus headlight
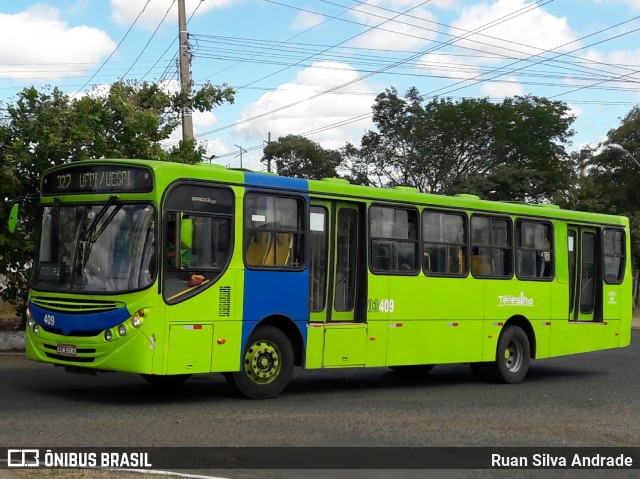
122,330
136,321
108,335
36,328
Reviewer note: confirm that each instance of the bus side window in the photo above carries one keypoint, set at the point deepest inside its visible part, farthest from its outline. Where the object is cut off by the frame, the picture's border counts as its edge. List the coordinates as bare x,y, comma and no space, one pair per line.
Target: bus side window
492,246
444,242
534,253
274,227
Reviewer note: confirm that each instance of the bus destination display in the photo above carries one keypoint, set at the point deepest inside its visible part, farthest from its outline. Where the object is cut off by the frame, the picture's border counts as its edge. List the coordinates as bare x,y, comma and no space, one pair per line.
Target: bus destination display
98,179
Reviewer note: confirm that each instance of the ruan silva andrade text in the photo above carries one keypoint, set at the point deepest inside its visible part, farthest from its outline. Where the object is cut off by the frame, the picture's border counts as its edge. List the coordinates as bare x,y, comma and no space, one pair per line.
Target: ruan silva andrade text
548,460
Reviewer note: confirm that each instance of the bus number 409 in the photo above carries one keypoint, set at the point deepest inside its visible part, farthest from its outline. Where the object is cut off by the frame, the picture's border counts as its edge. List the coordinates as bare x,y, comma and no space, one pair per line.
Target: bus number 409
381,305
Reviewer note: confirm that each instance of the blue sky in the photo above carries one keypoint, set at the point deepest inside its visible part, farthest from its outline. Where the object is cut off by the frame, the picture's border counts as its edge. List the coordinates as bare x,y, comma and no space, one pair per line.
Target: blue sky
314,67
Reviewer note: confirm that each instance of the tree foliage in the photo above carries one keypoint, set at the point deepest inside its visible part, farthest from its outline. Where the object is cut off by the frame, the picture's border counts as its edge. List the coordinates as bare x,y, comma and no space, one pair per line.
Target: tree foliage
44,128
611,183
472,145
300,157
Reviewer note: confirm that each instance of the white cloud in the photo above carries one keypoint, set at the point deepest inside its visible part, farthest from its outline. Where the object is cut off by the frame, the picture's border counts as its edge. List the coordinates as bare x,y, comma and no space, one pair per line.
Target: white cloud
509,39
306,20
37,43
405,32
527,33
309,115
509,87
450,66
124,12
204,119
633,4
620,65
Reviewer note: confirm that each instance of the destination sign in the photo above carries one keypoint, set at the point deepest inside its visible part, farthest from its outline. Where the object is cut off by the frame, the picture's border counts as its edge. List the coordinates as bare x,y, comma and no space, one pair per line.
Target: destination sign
98,179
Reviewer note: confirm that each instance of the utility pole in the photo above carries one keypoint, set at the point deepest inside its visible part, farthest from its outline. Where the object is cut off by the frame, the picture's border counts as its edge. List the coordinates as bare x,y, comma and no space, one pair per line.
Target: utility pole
242,150
268,159
185,73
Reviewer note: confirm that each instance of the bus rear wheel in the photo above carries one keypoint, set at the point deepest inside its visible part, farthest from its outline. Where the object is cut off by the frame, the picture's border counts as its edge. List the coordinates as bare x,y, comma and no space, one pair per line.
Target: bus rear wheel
267,364
512,358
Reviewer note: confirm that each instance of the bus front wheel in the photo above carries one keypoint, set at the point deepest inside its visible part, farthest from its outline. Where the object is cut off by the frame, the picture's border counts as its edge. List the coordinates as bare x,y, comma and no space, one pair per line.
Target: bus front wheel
267,364
512,358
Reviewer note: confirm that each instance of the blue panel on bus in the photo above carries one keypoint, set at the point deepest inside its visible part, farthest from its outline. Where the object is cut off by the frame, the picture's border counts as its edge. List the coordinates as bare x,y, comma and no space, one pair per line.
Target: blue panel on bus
274,181
67,322
275,293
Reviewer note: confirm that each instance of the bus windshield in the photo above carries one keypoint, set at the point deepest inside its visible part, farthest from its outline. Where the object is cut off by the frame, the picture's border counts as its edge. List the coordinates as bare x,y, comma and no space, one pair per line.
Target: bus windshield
96,248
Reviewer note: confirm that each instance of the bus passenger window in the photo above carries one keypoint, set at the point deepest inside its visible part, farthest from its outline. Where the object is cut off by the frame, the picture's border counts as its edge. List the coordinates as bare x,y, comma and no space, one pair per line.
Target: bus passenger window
491,241
394,240
614,255
444,237
534,253
274,231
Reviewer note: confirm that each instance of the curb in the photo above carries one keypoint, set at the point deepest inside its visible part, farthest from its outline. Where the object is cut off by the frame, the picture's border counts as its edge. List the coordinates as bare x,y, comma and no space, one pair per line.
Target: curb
12,341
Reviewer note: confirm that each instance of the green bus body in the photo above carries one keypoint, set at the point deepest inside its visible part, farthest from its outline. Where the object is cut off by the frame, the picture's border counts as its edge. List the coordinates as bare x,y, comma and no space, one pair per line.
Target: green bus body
168,270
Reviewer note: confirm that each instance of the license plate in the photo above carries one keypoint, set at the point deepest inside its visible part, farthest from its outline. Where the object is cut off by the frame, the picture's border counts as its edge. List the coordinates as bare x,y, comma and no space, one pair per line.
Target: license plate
67,349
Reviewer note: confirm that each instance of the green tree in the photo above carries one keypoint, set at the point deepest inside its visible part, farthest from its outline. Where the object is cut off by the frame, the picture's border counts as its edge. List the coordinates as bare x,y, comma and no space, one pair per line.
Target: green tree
611,183
45,128
300,157
472,146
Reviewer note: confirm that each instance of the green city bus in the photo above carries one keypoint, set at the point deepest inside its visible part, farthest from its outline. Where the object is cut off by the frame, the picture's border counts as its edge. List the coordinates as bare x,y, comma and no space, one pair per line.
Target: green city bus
169,270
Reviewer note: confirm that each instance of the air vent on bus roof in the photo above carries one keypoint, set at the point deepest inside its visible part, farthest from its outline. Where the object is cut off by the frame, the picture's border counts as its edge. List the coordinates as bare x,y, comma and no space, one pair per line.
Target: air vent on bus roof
406,188
336,180
467,196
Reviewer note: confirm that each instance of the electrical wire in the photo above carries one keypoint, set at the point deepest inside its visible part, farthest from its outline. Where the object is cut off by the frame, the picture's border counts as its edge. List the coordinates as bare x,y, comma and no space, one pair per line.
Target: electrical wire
151,38
114,50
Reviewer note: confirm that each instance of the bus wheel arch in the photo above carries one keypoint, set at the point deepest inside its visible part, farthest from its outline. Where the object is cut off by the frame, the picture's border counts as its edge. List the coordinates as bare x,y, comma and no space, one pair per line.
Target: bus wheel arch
525,325
289,328
268,360
515,348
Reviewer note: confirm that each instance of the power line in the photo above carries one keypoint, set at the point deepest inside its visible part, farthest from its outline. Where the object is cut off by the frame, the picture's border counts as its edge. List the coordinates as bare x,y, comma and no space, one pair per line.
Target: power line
115,49
284,41
151,38
502,19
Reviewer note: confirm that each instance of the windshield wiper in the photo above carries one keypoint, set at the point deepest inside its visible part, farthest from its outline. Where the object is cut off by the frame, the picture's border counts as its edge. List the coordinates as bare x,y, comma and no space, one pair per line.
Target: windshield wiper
98,217
91,236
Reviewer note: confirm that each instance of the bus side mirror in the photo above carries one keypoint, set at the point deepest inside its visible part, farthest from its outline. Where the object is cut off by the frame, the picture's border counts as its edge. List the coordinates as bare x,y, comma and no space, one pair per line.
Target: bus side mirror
13,217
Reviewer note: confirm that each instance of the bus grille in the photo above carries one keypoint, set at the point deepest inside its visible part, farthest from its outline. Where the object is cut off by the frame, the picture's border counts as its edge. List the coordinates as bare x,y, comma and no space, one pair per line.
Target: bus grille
224,301
76,359
73,305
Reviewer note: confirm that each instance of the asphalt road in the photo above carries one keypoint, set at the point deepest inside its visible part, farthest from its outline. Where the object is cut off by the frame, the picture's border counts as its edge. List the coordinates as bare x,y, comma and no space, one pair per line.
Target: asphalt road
583,400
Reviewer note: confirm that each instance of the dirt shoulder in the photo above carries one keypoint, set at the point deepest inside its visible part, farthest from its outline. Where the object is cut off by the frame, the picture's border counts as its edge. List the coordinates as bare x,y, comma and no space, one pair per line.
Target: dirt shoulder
9,320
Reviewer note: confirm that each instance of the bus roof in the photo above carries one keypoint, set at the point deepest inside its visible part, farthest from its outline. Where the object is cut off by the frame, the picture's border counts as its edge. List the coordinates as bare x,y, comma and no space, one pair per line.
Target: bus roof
167,172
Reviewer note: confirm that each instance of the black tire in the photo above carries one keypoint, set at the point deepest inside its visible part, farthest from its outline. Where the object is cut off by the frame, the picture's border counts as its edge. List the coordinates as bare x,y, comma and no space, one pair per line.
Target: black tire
267,364
171,381
414,370
512,358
